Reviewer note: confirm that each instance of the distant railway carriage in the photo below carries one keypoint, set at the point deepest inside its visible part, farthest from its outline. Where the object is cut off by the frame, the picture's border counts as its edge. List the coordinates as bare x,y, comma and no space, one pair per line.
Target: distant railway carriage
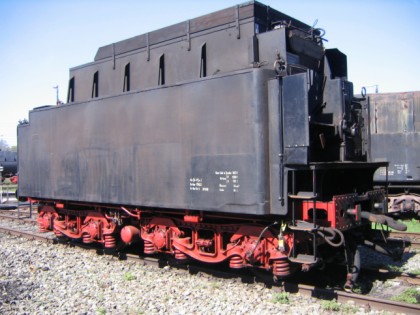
8,164
395,137
234,136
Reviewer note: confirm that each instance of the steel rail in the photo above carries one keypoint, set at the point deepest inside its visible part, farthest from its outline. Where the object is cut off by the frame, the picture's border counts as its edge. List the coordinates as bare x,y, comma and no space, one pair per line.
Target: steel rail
28,235
16,218
343,297
409,239
413,279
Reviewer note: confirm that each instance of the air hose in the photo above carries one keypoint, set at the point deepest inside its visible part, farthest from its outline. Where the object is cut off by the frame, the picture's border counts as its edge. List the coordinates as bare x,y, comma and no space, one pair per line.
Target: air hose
332,233
383,219
260,237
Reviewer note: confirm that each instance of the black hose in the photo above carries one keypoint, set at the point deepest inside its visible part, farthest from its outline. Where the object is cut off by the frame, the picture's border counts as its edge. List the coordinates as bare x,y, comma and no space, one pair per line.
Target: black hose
260,237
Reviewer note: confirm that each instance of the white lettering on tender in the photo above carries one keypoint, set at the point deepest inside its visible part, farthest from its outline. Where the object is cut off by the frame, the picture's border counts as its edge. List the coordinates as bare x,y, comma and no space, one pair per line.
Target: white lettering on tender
196,184
228,180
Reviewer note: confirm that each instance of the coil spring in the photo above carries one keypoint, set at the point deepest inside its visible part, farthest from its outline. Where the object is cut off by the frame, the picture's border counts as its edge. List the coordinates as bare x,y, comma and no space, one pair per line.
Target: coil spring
109,241
42,228
149,247
180,255
87,239
281,267
236,262
58,233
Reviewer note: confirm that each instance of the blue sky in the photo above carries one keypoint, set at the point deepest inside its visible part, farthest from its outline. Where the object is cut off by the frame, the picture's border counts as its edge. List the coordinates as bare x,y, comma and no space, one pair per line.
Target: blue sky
41,39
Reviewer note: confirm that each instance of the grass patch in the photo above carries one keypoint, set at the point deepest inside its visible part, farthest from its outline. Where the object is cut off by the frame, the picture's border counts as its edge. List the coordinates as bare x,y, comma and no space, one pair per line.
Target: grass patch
357,289
334,306
101,311
413,226
128,276
395,268
411,295
8,186
282,298
331,305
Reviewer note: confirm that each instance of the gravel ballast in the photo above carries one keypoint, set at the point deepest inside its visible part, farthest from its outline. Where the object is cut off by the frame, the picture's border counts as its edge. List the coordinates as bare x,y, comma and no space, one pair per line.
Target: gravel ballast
41,278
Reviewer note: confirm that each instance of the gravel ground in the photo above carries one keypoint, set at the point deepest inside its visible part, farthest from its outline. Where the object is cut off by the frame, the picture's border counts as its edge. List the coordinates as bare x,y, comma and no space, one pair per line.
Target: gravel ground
40,278
409,263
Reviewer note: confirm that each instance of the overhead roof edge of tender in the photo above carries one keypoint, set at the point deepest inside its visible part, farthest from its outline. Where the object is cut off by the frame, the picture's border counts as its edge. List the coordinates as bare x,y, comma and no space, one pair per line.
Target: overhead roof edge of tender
262,14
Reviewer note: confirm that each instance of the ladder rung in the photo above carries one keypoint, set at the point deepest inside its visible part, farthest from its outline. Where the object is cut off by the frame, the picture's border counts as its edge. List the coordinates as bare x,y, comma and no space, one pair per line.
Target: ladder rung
303,195
303,226
304,259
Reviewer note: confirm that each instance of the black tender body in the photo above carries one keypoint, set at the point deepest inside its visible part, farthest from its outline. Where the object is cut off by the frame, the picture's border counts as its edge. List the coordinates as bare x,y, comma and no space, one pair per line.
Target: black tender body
208,114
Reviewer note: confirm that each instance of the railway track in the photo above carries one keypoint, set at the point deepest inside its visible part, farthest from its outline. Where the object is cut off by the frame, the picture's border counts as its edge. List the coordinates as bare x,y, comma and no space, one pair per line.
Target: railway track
28,234
385,274
408,239
365,300
27,230
18,212
413,239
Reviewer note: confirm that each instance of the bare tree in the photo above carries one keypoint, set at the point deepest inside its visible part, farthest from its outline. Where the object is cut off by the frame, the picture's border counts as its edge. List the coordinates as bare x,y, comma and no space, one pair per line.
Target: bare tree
4,146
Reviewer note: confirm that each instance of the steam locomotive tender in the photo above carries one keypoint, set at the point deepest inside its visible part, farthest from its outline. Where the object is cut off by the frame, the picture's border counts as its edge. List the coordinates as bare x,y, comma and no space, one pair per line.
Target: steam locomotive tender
395,137
232,137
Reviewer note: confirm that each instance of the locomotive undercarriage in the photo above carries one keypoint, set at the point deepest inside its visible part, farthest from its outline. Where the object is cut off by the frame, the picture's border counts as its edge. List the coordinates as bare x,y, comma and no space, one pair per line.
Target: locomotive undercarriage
243,244
275,245
404,203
